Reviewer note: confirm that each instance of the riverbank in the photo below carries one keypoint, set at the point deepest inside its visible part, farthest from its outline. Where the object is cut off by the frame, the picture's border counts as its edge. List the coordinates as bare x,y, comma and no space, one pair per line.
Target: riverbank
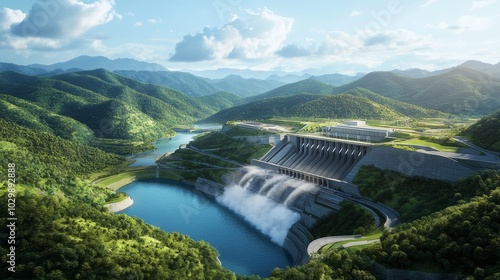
116,181
119,206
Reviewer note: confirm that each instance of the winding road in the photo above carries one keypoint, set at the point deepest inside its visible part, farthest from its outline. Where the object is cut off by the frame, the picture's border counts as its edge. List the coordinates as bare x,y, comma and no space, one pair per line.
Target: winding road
390,215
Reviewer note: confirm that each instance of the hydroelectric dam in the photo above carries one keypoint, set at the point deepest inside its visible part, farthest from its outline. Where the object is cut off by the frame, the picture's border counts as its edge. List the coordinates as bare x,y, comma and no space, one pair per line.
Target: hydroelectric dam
318,160
305,172
297,182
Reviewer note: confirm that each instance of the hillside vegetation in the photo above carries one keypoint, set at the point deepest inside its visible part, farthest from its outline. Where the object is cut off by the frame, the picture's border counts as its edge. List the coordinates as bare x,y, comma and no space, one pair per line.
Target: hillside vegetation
86,105
63,230
459,91
357,103
222,100
310,85
181,81
486,132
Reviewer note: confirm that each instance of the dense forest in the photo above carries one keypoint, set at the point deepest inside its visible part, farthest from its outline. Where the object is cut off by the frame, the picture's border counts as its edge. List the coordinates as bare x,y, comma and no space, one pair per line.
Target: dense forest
63,230
89,105
356,103
486,132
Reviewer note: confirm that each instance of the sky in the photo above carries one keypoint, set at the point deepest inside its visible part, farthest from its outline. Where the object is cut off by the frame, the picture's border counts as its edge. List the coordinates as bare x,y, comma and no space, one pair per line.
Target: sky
316,37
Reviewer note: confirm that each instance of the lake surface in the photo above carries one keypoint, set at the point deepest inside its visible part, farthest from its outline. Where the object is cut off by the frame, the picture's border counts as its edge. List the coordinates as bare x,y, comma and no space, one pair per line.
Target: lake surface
176,207
172,206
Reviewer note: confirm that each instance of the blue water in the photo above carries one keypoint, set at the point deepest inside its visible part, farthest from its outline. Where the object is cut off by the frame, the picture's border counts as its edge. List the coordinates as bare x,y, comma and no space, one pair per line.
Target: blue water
176,207
172,206
163,146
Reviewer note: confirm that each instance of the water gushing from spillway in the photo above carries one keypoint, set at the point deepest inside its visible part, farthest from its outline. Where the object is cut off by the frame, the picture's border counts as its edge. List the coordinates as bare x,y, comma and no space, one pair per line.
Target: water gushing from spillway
266,200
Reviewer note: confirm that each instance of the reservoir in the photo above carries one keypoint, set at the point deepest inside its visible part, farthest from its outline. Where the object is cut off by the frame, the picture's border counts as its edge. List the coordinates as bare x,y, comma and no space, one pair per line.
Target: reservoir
175,207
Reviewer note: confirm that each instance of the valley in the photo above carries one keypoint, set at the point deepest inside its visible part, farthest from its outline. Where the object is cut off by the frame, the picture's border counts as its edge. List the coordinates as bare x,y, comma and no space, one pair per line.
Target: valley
82,139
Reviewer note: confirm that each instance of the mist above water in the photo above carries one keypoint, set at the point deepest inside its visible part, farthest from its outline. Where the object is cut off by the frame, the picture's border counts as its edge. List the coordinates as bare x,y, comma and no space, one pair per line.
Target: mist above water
263,199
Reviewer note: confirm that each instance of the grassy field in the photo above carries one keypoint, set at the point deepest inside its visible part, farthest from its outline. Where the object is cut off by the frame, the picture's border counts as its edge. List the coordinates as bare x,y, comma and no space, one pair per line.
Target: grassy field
117,197
115,182
333,246
449,146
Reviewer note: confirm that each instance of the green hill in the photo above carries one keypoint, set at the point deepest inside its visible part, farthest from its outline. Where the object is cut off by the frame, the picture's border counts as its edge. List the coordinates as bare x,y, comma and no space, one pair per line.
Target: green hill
181,81
60,155
310,85
32,116
110,105
222,100
307,105
486,132
263,108
404,108
459,91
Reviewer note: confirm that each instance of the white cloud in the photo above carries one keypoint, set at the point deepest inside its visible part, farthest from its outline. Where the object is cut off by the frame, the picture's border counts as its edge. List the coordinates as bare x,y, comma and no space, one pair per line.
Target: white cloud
481,3
8,17
64,19
463,24
428,3
355,13
254,35
138,24
53,24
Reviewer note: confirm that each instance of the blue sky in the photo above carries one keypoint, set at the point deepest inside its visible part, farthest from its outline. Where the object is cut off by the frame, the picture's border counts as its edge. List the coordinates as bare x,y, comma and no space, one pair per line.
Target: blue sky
322,36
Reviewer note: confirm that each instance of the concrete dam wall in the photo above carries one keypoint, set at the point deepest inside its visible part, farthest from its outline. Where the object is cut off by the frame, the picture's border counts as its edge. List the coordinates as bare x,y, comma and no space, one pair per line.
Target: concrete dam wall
322,161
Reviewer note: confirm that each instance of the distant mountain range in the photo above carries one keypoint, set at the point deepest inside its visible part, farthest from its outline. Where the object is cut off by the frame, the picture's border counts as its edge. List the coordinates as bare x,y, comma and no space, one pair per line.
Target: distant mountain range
94,62
472,88
458,91
490,69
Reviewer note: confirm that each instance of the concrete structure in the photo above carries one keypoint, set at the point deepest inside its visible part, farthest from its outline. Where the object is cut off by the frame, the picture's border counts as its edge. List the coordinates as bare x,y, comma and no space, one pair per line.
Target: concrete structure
317,160
357,130
413,164
119,206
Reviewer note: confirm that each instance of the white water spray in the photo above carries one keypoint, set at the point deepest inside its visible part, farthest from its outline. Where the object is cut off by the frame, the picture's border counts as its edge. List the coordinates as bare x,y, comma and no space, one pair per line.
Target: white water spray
267,211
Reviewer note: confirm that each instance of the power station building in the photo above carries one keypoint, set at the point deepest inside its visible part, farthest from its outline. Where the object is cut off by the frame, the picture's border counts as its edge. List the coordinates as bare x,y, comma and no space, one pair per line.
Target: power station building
357,130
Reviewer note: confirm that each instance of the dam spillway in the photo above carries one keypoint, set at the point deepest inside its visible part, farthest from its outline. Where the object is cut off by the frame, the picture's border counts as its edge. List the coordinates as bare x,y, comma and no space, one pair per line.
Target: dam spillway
318,160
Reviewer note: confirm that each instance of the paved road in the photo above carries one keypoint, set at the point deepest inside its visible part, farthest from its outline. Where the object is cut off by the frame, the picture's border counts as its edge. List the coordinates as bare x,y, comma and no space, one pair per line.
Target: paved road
214,156
391,216
315,245
474,146
358,243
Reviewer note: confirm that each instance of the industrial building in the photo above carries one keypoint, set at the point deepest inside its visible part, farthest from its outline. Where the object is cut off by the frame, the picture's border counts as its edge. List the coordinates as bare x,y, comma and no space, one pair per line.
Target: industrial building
358,131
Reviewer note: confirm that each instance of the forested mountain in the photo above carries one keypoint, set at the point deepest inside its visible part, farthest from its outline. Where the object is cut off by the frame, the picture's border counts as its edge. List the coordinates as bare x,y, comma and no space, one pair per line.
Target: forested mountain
39,119
307,105
487,68
486,132
404,108
460,91
21,69
245,87
354,103
222,100
181,81
310,85
110,105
